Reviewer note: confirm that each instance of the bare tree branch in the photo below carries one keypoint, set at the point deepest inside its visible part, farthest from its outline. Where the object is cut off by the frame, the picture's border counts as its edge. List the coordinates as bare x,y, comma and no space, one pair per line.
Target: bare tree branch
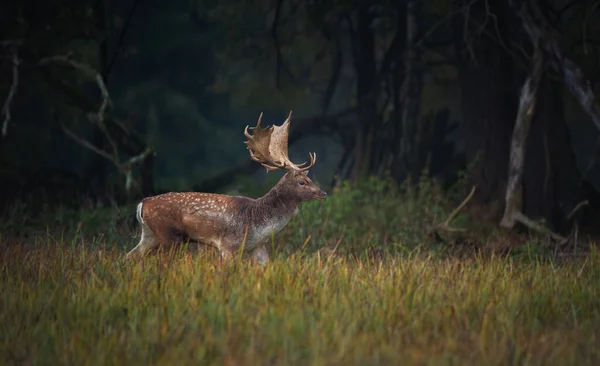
67,60
127,166
514,188
520,217
420,42
105,98
128,139
11,93
88,145
577,85
579,205
98,118
445,226
572,75
78,100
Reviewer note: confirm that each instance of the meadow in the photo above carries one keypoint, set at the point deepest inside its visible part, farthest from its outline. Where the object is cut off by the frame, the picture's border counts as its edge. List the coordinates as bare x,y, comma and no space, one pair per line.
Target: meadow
355,279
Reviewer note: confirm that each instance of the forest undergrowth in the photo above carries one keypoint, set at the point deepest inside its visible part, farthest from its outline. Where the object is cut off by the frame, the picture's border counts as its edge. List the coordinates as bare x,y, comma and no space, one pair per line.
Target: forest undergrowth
356,279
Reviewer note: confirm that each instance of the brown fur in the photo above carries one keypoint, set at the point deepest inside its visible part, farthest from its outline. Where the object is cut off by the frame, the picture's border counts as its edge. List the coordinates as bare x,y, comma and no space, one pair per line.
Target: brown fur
224,222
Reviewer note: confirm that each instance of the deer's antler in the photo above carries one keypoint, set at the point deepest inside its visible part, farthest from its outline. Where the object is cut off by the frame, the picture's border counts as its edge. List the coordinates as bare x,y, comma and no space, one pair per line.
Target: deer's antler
269,147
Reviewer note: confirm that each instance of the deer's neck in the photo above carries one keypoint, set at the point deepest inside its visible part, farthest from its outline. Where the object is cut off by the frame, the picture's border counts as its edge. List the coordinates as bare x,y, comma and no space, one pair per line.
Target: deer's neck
276,204
267,215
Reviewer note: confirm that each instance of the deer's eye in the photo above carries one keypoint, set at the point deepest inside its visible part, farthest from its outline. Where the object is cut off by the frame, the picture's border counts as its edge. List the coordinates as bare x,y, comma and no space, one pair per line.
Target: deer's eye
301,183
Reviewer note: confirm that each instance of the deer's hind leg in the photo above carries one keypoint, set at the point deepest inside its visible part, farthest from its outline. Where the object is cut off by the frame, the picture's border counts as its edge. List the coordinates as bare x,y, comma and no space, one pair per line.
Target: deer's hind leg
148,241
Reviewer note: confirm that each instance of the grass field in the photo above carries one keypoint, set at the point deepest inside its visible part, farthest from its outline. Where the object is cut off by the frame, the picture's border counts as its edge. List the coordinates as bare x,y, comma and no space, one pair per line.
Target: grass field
376,296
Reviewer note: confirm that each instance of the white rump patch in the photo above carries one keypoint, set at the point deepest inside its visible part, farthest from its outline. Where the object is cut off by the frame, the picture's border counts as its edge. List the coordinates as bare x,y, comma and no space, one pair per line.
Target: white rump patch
138,213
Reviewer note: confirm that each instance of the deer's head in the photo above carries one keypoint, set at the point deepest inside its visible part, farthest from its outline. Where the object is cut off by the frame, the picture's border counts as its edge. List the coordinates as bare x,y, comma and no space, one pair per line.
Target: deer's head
300,186
269,147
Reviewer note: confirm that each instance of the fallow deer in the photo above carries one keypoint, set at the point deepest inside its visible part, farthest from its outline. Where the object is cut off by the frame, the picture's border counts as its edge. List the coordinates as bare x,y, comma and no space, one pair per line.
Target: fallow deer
230,222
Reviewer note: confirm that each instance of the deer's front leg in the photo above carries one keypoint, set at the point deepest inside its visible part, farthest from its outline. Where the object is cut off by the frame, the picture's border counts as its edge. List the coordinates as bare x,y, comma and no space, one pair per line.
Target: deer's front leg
260,255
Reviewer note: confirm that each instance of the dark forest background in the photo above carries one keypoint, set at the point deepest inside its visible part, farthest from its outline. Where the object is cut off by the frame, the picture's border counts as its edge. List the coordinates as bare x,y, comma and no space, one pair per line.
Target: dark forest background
117,100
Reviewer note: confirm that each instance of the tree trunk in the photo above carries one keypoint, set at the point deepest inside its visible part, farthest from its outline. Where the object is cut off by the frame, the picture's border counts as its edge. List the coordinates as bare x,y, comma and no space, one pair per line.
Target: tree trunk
366,73
489,100
395,144
551,177
407,160
552,183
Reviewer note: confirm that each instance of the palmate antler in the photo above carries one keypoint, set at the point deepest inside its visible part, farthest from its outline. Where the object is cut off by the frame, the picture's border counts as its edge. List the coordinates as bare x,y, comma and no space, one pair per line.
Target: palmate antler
269,147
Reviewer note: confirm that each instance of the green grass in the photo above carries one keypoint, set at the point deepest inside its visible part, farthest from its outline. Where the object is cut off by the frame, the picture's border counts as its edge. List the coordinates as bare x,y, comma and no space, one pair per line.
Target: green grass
353,280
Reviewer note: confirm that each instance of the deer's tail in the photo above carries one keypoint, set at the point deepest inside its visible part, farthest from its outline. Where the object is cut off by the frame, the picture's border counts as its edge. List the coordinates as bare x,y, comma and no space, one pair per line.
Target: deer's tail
138,216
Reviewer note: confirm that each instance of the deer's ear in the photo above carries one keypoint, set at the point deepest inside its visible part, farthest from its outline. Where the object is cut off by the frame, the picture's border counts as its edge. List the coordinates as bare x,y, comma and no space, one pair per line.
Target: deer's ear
305,173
